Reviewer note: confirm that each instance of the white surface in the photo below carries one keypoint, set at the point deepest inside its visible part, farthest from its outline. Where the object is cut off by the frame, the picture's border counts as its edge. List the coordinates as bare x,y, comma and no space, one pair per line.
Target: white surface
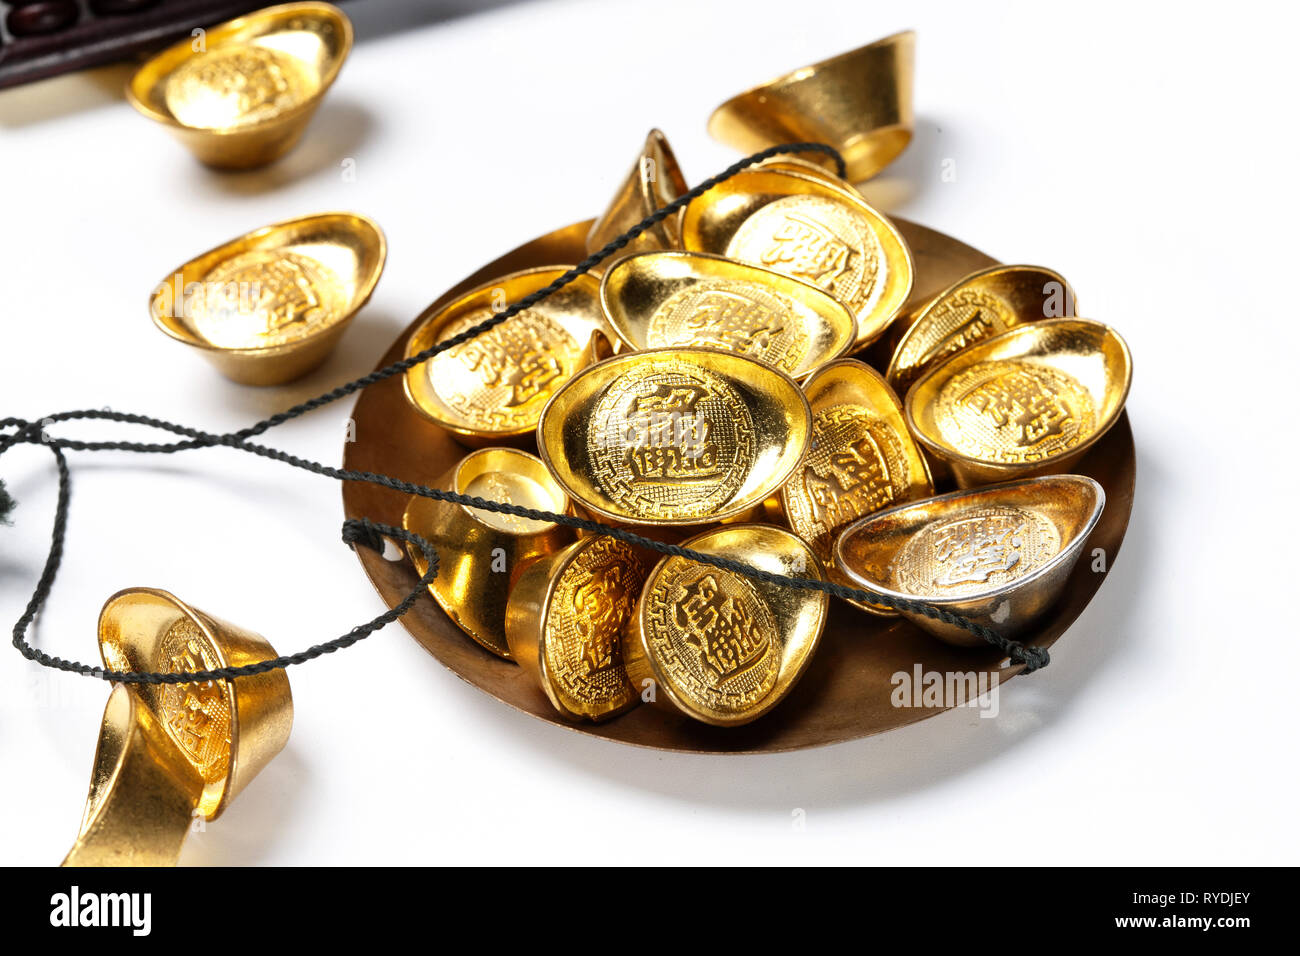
1147,155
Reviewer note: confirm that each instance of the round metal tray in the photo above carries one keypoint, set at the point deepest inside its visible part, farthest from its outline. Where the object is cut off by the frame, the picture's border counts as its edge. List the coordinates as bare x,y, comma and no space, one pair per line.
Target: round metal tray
845,693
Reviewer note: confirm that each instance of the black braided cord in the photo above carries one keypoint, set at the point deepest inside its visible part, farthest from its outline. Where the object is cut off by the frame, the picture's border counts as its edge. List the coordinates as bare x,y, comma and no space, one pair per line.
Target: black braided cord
366,533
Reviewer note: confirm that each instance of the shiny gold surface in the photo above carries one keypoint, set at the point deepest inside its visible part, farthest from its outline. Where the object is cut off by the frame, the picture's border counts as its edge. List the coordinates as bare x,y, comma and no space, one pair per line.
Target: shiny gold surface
481,553
999,555
566,621
270,306
690,299
981,305
674,436
720,647
242,94
171,754
860,102
861,458
654,181
846,690
806,227
493,388
1028,401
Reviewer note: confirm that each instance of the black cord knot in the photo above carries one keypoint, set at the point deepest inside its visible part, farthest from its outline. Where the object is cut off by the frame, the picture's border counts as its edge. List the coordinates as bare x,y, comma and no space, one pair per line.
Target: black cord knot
7,503
1032,657
362,531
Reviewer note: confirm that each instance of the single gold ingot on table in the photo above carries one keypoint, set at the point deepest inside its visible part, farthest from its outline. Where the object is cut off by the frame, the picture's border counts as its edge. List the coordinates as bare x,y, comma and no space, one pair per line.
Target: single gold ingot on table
566,623
807,227
1029,401
654,181
174,755
719,646
482,553
860,102
691,299
270,306
861,459
674,436
999,555
979,306
242,94
492,388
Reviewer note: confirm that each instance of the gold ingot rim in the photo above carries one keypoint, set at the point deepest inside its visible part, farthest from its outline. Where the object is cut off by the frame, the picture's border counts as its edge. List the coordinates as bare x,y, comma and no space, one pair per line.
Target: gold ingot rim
993,607
591,334
758,381
784,182
467,588
250,144
528,632
769,548
632,326
975,281
869,388
875,83
1019,342
277,362
637,198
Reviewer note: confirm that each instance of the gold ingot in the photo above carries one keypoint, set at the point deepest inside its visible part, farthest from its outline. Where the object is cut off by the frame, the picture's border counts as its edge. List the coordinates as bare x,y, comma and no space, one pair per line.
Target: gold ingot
270,306
979,306
173,754
481,553
674,436
999,556
690,299
860,102
722,647
244,97
1029,401
809,228
654,181
566,623
861,459
492,388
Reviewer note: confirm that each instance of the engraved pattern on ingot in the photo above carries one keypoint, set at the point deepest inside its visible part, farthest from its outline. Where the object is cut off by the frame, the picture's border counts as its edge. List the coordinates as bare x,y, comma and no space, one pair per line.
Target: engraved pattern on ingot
736,316
974,552
714,635
1009,411
818,240
499,380
855,465
237,86
960,320
196,715
265,298
593,601
674,442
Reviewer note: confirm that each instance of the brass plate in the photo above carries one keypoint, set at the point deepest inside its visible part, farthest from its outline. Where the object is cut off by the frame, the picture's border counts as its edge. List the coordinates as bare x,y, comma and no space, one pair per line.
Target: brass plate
845,692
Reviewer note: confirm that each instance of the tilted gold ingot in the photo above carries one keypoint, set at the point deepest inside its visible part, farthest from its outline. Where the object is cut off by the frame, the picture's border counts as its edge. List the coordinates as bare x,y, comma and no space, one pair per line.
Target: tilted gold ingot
566,621
1029,401
492,388
242,94
270,306
480,553
719,646
173,754
999,555
861,459
979,306
674,436
654,181
690,299
860,102
807,227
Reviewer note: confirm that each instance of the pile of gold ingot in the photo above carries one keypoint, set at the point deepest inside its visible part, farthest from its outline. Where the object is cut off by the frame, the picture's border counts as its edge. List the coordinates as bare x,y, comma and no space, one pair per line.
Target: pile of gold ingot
702,391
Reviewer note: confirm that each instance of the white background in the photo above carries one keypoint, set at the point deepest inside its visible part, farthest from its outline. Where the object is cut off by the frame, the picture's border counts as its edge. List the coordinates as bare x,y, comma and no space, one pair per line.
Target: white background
1148,154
